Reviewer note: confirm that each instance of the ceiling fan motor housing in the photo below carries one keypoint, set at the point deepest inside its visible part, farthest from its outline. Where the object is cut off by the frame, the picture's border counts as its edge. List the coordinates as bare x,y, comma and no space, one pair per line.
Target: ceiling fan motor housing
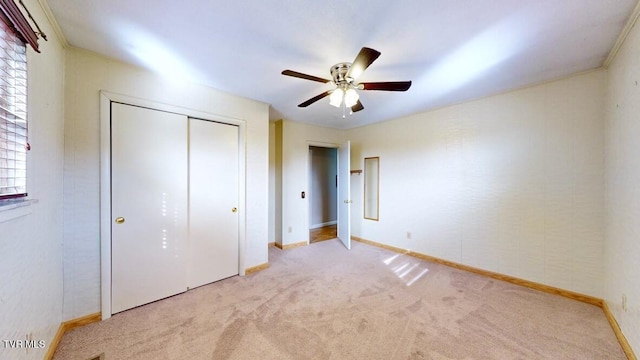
339,73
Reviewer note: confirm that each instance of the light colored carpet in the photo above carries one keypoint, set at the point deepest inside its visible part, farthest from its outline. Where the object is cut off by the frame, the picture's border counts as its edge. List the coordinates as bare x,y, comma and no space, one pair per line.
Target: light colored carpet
324,302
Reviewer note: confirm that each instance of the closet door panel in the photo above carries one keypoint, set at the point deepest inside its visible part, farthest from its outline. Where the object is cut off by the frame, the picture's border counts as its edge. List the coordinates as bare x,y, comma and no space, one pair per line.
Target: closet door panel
149,205
213,202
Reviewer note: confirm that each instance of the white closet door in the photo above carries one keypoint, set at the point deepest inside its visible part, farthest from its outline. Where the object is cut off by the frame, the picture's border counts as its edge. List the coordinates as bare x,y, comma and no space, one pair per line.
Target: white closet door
213,202
149,205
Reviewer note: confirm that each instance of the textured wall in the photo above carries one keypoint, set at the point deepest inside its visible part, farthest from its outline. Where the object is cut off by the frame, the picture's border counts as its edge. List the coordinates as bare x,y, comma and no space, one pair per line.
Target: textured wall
272,182
87,74
31,245
276,201
511,183
622,250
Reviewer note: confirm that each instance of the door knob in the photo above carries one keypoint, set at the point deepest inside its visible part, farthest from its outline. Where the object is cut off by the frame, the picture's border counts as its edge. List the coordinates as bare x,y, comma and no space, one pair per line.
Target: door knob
119,220
234,210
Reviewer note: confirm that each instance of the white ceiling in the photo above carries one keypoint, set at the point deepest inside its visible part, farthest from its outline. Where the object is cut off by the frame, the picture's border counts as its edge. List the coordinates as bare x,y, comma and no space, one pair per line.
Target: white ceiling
453,51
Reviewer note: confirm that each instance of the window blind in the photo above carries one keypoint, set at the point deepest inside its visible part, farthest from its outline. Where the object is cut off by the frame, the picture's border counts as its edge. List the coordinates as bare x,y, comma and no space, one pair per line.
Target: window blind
13,114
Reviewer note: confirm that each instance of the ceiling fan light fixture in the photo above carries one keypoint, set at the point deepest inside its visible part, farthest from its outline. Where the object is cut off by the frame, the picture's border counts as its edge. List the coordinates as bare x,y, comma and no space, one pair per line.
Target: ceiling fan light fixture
343,86
336,97
351,97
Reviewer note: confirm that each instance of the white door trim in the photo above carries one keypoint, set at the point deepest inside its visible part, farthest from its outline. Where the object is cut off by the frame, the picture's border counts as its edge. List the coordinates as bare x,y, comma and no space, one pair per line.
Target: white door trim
307,208
105,181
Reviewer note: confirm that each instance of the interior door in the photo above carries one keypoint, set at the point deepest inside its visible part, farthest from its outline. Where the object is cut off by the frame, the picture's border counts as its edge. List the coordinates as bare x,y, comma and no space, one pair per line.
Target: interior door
344,194
149,205
213,202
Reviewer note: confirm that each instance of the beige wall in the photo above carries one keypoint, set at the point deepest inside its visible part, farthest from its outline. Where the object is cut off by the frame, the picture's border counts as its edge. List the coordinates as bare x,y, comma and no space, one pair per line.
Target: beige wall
622,248
276,202
511,183
87,74
31,244
272,182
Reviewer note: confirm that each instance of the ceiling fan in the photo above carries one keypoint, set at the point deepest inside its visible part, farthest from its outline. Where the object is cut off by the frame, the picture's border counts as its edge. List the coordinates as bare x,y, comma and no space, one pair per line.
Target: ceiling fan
344,76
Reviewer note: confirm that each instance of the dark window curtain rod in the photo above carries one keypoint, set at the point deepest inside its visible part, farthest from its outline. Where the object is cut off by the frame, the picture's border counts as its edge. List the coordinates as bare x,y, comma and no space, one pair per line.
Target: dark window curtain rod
40,32
13,16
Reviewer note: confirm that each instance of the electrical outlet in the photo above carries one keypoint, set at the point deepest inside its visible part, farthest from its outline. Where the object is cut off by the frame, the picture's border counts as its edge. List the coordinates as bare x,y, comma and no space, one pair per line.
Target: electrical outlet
408,235
290,229
624,302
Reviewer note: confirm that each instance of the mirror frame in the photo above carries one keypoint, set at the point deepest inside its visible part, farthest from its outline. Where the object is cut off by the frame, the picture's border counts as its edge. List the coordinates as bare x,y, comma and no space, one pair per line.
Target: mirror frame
371,164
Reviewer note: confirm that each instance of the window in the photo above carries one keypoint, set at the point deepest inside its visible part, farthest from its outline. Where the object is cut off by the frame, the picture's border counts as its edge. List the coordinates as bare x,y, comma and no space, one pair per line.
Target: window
15,33
13,114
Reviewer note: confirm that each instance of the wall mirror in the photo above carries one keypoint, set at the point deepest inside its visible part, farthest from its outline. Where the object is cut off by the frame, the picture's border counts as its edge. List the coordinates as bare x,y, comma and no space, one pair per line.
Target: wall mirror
371,184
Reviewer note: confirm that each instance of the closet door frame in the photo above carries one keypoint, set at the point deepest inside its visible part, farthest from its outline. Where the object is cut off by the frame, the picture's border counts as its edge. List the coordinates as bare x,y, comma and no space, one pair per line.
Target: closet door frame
106,98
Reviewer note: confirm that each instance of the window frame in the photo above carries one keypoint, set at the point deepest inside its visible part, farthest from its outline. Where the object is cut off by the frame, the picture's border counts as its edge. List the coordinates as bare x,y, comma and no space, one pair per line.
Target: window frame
16,34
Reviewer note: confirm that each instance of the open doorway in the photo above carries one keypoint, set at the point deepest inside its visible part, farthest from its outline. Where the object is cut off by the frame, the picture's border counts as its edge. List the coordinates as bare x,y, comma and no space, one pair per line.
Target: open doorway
323,193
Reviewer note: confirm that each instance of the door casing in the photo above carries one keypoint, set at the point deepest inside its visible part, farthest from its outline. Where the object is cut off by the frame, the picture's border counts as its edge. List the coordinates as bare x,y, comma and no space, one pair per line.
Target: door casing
336,146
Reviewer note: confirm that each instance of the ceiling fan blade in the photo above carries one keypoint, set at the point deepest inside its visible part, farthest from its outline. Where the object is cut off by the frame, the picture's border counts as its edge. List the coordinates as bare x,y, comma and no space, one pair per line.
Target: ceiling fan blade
357,107
304,76
365,57
314,99
387,85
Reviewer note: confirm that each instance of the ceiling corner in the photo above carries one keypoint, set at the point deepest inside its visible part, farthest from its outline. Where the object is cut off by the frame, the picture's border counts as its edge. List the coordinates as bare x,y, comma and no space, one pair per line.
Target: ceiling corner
54,23
623,36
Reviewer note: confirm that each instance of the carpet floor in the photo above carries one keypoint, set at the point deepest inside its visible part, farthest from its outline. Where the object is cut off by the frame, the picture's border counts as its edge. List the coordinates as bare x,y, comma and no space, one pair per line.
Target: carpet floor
324,302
